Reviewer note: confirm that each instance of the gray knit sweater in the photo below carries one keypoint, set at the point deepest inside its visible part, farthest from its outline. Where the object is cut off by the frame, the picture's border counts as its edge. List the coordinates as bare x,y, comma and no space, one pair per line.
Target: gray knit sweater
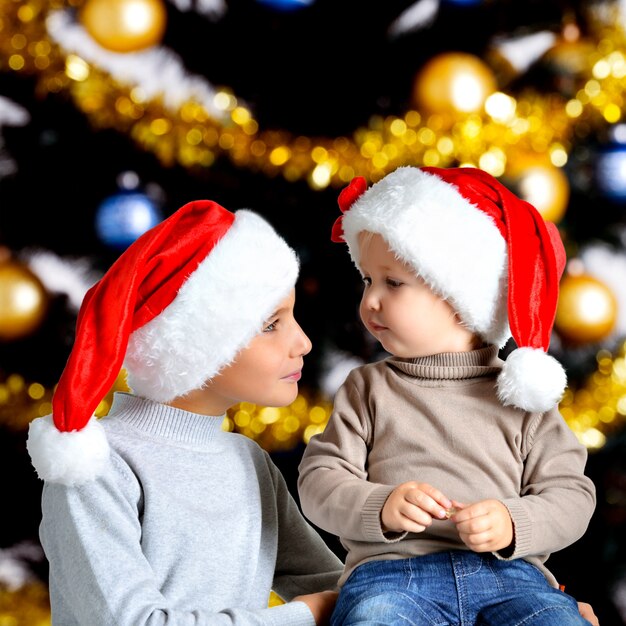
189,525
438,420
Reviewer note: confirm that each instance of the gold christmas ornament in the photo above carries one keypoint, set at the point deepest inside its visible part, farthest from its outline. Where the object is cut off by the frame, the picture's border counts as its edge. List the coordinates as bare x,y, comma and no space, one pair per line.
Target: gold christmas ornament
453,82
23,300
124,25
586,311
568,61
545,186
569,57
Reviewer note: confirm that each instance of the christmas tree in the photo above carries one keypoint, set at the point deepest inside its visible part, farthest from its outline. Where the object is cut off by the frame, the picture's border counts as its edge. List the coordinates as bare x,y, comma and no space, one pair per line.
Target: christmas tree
114,113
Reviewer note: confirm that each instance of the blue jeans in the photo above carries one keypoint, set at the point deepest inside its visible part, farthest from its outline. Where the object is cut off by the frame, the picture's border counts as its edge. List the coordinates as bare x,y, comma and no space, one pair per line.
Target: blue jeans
458,588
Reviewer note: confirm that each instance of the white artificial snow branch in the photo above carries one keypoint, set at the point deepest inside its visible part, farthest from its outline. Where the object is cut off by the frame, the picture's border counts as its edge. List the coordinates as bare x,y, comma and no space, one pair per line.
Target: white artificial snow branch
70,277
605,11
12,114
212,9
417,16
618,594
157,71
337,365
14,569
521,52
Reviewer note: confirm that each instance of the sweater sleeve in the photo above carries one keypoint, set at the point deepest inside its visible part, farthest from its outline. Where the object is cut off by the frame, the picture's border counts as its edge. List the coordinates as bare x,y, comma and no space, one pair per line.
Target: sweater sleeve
304,563
557,499
91,535
332,484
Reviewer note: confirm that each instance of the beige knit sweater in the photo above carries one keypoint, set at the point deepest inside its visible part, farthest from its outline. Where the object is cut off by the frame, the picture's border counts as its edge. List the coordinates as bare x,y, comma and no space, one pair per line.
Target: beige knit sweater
438,420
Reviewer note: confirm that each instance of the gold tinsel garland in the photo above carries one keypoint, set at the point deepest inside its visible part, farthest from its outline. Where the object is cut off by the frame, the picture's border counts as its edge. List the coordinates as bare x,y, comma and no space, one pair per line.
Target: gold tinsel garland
27,606
535,123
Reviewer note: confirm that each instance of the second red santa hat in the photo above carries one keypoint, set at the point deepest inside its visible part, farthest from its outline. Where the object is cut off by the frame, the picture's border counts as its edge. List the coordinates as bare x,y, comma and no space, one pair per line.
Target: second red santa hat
483,249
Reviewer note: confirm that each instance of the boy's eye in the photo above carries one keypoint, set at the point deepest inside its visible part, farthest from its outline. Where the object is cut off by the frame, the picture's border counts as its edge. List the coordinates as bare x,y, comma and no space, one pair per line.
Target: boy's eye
367,280
271,326
393,283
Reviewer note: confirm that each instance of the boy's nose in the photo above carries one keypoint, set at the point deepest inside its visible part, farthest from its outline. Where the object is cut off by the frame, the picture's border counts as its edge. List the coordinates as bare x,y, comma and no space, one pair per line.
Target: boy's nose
371,300
303,343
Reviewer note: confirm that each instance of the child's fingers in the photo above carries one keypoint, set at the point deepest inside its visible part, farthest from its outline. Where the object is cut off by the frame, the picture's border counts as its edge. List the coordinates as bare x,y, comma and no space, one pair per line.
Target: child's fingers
429,499
454,508
434,494
414,519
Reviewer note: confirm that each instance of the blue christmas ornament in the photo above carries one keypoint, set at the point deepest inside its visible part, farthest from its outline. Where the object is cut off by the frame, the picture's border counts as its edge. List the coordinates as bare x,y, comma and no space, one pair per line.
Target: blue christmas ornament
286,5
123,217
611,171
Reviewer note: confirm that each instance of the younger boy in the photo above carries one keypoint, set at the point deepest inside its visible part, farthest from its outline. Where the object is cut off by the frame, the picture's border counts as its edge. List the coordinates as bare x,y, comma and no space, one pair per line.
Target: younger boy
448,475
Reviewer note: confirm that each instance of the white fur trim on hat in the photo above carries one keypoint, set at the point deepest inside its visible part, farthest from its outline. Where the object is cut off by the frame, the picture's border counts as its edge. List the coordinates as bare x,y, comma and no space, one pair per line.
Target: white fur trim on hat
453,245
67,457
216,313
531,380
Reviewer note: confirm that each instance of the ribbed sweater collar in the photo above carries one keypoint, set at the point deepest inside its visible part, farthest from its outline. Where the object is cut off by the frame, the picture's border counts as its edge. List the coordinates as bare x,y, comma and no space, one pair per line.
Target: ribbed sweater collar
164,421
451,365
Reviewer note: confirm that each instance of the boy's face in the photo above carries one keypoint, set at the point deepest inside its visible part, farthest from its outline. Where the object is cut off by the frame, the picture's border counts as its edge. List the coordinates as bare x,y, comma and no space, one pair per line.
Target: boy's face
401,311
268,370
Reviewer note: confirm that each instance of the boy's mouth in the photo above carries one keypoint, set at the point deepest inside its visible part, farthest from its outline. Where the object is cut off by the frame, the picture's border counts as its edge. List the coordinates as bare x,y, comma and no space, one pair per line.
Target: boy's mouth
295,376
377,327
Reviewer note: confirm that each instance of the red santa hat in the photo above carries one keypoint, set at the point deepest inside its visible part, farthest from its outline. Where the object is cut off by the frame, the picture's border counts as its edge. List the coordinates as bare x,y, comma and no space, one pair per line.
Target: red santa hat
174,309
487,252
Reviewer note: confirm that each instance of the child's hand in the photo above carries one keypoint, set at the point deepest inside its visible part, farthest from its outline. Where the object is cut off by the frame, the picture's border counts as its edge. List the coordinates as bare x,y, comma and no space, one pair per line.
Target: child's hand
586,611
411,507
484,526
321,604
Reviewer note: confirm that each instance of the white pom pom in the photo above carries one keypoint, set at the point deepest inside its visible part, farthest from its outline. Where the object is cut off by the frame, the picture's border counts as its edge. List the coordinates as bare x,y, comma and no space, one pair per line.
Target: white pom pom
69,458
531,380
